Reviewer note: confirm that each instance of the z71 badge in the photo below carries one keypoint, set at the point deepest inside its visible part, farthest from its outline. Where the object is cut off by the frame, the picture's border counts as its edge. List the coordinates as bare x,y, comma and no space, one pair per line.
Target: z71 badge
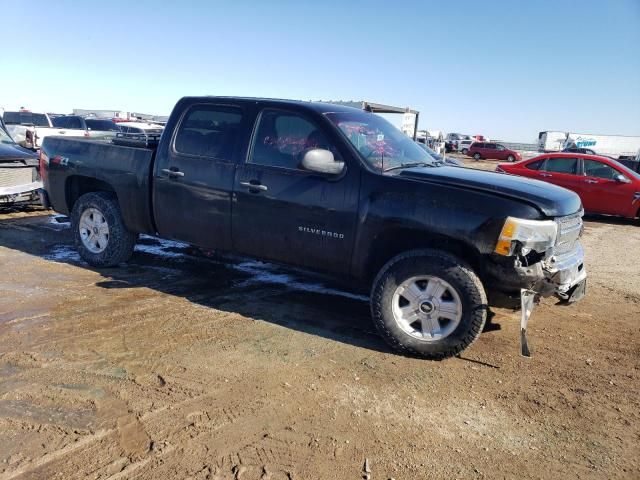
321,233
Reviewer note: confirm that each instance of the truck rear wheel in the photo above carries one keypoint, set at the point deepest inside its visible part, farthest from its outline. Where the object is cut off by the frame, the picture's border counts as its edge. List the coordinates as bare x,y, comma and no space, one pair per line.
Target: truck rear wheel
99,233
428,303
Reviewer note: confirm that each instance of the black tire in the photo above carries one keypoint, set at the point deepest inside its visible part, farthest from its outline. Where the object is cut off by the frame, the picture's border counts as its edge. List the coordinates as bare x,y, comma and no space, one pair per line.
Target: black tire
464,151
477,156
121,241
446,267
511,158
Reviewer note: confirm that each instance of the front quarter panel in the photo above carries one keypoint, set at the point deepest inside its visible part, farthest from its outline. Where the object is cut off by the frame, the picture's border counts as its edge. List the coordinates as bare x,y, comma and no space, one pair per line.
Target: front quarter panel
472,218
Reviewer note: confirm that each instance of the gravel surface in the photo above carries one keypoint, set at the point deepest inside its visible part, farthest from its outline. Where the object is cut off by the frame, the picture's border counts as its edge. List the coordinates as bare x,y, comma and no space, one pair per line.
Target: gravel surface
182,366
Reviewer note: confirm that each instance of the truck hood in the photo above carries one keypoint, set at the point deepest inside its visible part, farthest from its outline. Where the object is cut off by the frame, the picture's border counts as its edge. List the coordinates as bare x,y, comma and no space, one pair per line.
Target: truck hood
10,152
552,200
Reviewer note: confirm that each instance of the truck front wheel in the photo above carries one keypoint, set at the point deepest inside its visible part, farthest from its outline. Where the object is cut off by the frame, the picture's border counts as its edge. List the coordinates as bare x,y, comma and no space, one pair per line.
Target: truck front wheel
428,303
99,233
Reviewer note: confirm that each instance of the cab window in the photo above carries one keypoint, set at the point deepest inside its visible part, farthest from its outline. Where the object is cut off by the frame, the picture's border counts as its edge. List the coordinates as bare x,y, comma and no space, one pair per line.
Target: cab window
535,165
209,131
562,165
282,138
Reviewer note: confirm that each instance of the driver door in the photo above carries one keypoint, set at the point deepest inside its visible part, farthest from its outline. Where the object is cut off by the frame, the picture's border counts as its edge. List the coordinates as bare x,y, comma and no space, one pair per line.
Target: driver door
603,193
284,213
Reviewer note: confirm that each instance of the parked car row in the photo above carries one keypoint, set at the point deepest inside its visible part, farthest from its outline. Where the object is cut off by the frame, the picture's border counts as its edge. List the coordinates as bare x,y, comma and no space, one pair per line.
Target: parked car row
29,129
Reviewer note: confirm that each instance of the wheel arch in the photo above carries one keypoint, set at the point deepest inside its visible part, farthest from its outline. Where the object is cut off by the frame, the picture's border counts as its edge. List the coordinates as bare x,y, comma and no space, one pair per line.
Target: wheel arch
78,185
396,241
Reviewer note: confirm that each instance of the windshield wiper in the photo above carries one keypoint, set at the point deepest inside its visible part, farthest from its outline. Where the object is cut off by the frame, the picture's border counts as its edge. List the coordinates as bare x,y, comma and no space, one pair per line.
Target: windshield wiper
409,165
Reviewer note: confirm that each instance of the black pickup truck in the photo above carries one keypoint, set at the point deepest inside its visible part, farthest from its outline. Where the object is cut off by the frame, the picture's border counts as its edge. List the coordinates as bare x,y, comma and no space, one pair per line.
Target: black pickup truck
330,189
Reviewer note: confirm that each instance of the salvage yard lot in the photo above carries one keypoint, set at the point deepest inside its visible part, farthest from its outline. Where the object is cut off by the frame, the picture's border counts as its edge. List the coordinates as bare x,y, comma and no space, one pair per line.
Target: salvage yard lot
180,365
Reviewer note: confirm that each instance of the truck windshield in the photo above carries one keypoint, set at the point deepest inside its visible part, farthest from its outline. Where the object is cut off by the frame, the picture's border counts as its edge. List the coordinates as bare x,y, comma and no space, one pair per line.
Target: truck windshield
381,144
25,118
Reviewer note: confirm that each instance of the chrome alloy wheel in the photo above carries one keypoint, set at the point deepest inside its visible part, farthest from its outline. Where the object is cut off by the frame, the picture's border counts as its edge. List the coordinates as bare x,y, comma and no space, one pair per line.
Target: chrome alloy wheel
94,230
427,308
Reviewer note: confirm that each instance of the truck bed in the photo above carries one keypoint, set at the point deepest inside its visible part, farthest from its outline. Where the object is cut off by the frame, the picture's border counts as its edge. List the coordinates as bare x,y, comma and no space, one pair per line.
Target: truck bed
72,162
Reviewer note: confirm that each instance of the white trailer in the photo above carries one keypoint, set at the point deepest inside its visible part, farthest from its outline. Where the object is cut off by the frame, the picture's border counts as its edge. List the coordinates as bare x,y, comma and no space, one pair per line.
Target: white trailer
615,146
551,141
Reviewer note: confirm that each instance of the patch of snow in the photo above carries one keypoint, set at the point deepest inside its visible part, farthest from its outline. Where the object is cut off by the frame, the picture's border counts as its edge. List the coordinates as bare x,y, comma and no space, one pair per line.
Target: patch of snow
267,273
63,253
161,247
58,222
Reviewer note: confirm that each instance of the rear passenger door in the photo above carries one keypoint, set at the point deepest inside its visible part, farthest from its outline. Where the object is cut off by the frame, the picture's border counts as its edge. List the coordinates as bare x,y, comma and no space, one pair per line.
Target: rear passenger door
284,213
193,179
562,171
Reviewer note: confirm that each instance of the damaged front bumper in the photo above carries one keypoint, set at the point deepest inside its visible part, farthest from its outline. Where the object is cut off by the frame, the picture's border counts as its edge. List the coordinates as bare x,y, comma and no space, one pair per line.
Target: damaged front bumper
564,276
561,275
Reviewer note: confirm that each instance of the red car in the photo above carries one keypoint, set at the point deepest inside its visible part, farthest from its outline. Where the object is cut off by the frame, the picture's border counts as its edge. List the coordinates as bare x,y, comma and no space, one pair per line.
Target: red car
604,185
480,150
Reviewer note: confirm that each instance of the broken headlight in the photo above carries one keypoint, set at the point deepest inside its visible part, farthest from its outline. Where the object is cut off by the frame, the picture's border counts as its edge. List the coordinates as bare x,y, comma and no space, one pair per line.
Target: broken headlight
538,235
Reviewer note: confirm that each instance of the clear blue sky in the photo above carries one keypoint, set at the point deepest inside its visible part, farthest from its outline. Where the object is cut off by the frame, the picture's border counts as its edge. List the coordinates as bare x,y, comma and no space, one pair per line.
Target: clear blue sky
503,69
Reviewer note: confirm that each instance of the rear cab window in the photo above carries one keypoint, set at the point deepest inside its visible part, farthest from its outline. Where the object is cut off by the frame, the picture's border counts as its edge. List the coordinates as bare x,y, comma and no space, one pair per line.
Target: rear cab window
209,131
25,118
74,123
101,125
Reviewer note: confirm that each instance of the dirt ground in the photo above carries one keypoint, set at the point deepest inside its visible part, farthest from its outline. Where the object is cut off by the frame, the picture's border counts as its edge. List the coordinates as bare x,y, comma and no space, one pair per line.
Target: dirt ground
181,366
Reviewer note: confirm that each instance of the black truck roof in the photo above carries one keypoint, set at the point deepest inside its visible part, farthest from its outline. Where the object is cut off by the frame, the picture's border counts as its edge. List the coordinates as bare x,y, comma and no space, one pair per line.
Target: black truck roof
319,107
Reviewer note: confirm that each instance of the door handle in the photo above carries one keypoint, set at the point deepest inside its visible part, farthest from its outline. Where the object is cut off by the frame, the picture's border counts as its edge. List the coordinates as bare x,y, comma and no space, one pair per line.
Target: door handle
590,181
254,186
173,173
546,175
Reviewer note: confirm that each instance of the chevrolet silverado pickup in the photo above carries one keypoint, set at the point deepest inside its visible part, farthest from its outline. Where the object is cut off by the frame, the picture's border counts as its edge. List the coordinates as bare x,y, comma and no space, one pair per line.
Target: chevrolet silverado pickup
330,189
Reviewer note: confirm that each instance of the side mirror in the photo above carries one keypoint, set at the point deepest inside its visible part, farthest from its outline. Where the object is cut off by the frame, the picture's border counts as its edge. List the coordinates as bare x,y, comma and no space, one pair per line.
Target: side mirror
321,161
621,178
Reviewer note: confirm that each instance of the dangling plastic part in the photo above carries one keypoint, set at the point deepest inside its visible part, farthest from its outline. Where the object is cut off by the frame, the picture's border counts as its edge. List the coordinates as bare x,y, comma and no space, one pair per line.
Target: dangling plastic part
527,302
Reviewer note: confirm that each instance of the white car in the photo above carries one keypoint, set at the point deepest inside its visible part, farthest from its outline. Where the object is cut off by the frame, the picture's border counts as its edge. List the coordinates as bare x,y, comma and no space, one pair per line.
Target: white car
463,146
28,129
87,127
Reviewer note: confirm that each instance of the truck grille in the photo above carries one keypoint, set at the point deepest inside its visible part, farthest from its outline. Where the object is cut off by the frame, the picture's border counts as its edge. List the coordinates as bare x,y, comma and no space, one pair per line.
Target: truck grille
569,231
11,177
